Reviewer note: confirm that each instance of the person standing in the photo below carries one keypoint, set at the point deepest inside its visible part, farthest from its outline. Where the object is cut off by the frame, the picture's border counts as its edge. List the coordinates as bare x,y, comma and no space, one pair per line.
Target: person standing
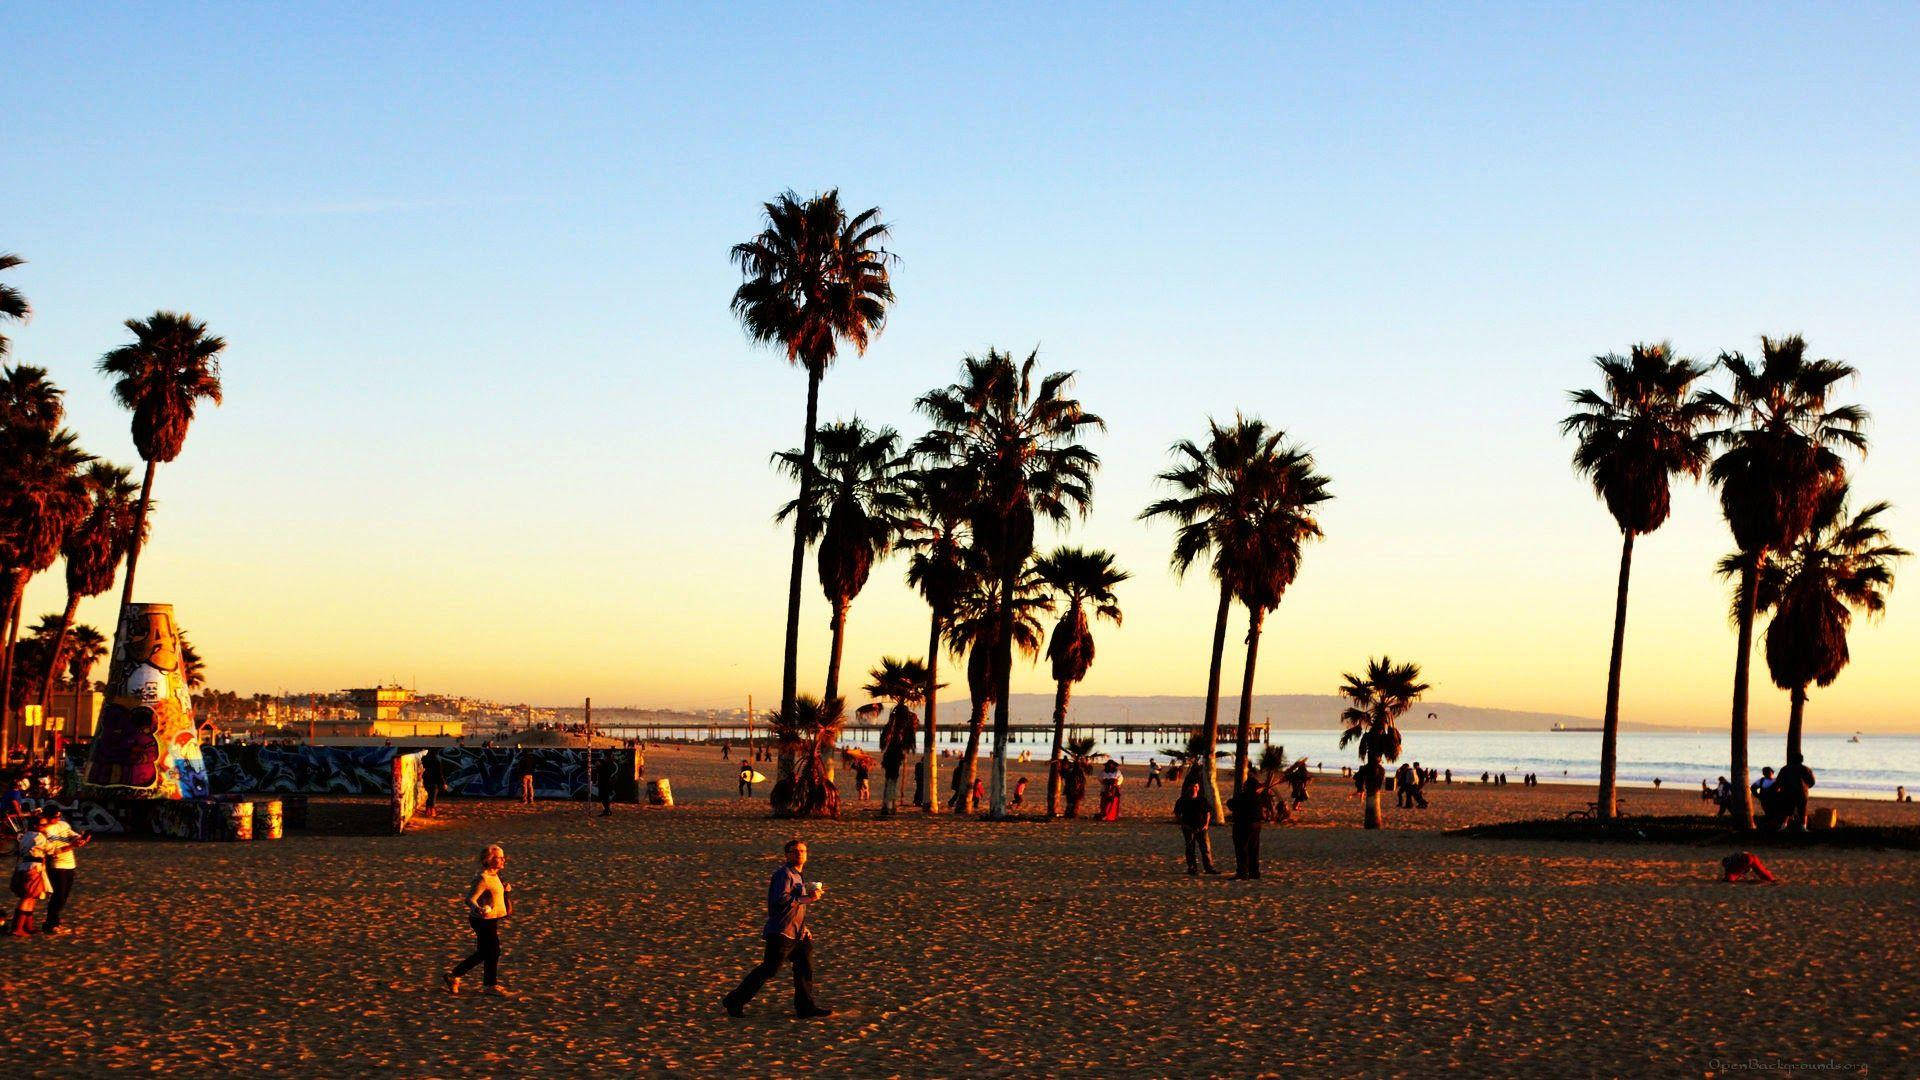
1019,792
1110,785
603,779
787,938
1247,807
60,842
1153,773
523,776
746,780
433,776
1791,786
29,883
489,901
1195,816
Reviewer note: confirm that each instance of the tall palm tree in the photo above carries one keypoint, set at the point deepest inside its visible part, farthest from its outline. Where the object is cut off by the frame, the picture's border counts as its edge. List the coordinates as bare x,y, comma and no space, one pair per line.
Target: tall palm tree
1843,563
1021,442
1281,521
1778,464
1216,488
857,503
1643,430
806,735
171,366
30,407
936,534
1371,720
1080,580
93,550
28,399
13,306
86,647
42,499
815,279
903,682
975,631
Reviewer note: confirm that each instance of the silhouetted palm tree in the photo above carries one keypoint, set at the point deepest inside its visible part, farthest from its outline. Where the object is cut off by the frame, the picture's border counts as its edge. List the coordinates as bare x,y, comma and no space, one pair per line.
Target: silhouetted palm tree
815,280
1778,466
807,736
1076,763
42,498
93,550
13,306
172,365
1216,489
193,667
1812,588
1020,442
858,503
1378,700
936,534
1080,579
1281,521
1633,439
85,648
975,632
903,682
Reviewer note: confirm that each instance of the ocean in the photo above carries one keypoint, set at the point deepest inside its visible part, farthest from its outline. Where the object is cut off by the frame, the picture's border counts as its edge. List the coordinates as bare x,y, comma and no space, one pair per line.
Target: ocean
1872,767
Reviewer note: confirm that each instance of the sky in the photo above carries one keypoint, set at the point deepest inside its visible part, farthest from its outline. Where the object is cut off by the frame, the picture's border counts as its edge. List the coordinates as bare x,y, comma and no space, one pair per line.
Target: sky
490,428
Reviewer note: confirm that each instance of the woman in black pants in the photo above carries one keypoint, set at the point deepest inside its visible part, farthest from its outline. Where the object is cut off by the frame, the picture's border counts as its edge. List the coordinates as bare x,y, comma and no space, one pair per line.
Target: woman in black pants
489,901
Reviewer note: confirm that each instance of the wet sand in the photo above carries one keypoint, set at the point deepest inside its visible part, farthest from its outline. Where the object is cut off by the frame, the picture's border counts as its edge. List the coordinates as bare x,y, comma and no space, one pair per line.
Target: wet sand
967,948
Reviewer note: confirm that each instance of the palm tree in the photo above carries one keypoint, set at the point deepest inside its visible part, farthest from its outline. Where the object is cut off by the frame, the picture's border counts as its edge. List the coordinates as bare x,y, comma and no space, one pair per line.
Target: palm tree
94,549
815,279
903,682
975,632
1216,489
1633,439
1280,521
1779,464
1841,564
172,365
1076,763
1020,442
86,647
30,407
192,667
936,534
858,501
42,499
806,736
28,399
1378,700
13,306
1080,579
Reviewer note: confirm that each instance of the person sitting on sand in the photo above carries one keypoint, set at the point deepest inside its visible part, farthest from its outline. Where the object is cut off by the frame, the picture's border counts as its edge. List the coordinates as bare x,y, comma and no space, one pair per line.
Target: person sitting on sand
786,936
489,901
1737,867
1194,815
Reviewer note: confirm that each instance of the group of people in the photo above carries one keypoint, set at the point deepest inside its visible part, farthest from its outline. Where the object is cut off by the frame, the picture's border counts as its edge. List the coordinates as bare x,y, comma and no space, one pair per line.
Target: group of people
1781,797
44,871
1408,782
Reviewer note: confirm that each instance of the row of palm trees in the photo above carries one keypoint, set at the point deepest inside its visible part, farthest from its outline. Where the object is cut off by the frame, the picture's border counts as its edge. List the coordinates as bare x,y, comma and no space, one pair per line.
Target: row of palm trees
58,502
1773,444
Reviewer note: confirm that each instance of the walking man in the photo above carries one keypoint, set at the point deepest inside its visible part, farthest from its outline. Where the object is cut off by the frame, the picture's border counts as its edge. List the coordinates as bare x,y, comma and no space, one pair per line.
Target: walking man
787,938
60,842
604,781
746,780
1246,806
1194,816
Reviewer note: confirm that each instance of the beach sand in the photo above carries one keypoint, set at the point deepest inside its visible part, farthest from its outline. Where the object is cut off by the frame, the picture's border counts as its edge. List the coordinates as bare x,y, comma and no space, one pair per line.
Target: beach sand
967,948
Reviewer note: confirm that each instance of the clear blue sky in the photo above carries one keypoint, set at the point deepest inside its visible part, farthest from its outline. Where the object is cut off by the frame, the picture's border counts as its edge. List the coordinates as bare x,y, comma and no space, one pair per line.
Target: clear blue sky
491,427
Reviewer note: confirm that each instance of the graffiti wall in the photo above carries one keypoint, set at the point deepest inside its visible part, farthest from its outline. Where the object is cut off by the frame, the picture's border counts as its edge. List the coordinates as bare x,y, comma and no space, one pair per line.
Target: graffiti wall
146,746
409,788
472,771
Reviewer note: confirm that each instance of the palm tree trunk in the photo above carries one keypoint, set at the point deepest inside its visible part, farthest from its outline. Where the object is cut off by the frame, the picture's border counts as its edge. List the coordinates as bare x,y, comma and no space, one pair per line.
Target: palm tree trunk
59,644
1210,721
133,549
839,628
1797,714
930,781
970,764
1370,787
790,663
1243,732
1742,668
1002,706
1062,690
1610,725
9,622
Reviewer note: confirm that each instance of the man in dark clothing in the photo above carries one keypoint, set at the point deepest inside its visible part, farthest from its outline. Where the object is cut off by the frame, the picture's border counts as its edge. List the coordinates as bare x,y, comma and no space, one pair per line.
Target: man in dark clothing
787,938
1245,807
433,776
603,779
1790,792
1194,816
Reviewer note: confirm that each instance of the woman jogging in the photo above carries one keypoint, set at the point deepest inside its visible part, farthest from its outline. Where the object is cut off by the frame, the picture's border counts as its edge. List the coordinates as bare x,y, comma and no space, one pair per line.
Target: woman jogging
489,901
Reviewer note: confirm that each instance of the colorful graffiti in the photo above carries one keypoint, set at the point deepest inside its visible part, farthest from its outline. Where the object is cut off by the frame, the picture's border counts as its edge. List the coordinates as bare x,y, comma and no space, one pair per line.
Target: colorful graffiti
471,771
409,788
146,746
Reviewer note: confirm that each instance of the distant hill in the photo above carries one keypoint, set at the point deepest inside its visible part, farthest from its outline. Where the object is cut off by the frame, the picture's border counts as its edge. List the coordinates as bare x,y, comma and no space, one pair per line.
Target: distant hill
1291,711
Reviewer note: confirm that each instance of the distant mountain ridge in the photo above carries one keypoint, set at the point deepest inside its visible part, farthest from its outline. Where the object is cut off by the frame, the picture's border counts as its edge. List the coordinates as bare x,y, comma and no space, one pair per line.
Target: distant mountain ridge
1293,711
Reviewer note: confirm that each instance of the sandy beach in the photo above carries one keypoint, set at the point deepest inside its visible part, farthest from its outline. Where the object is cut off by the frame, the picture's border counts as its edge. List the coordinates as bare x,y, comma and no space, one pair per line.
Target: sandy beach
966,948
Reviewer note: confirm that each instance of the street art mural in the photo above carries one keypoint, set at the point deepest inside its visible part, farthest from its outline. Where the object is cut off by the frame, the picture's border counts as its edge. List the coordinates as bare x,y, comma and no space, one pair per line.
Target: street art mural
409,788
471,771
146,746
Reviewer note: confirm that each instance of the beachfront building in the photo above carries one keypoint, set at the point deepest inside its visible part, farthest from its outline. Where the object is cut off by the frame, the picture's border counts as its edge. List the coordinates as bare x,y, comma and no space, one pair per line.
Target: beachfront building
380,713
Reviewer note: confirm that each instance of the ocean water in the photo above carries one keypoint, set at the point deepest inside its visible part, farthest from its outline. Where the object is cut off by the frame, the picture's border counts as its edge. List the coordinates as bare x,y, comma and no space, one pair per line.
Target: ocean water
1872,767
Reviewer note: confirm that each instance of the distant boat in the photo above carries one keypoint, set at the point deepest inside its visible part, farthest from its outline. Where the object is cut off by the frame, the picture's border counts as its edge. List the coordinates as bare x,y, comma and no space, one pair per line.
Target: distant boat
1856,737
1558,726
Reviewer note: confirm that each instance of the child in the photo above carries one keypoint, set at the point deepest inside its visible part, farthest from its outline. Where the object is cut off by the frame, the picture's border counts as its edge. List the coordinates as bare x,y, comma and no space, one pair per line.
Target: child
1737,867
